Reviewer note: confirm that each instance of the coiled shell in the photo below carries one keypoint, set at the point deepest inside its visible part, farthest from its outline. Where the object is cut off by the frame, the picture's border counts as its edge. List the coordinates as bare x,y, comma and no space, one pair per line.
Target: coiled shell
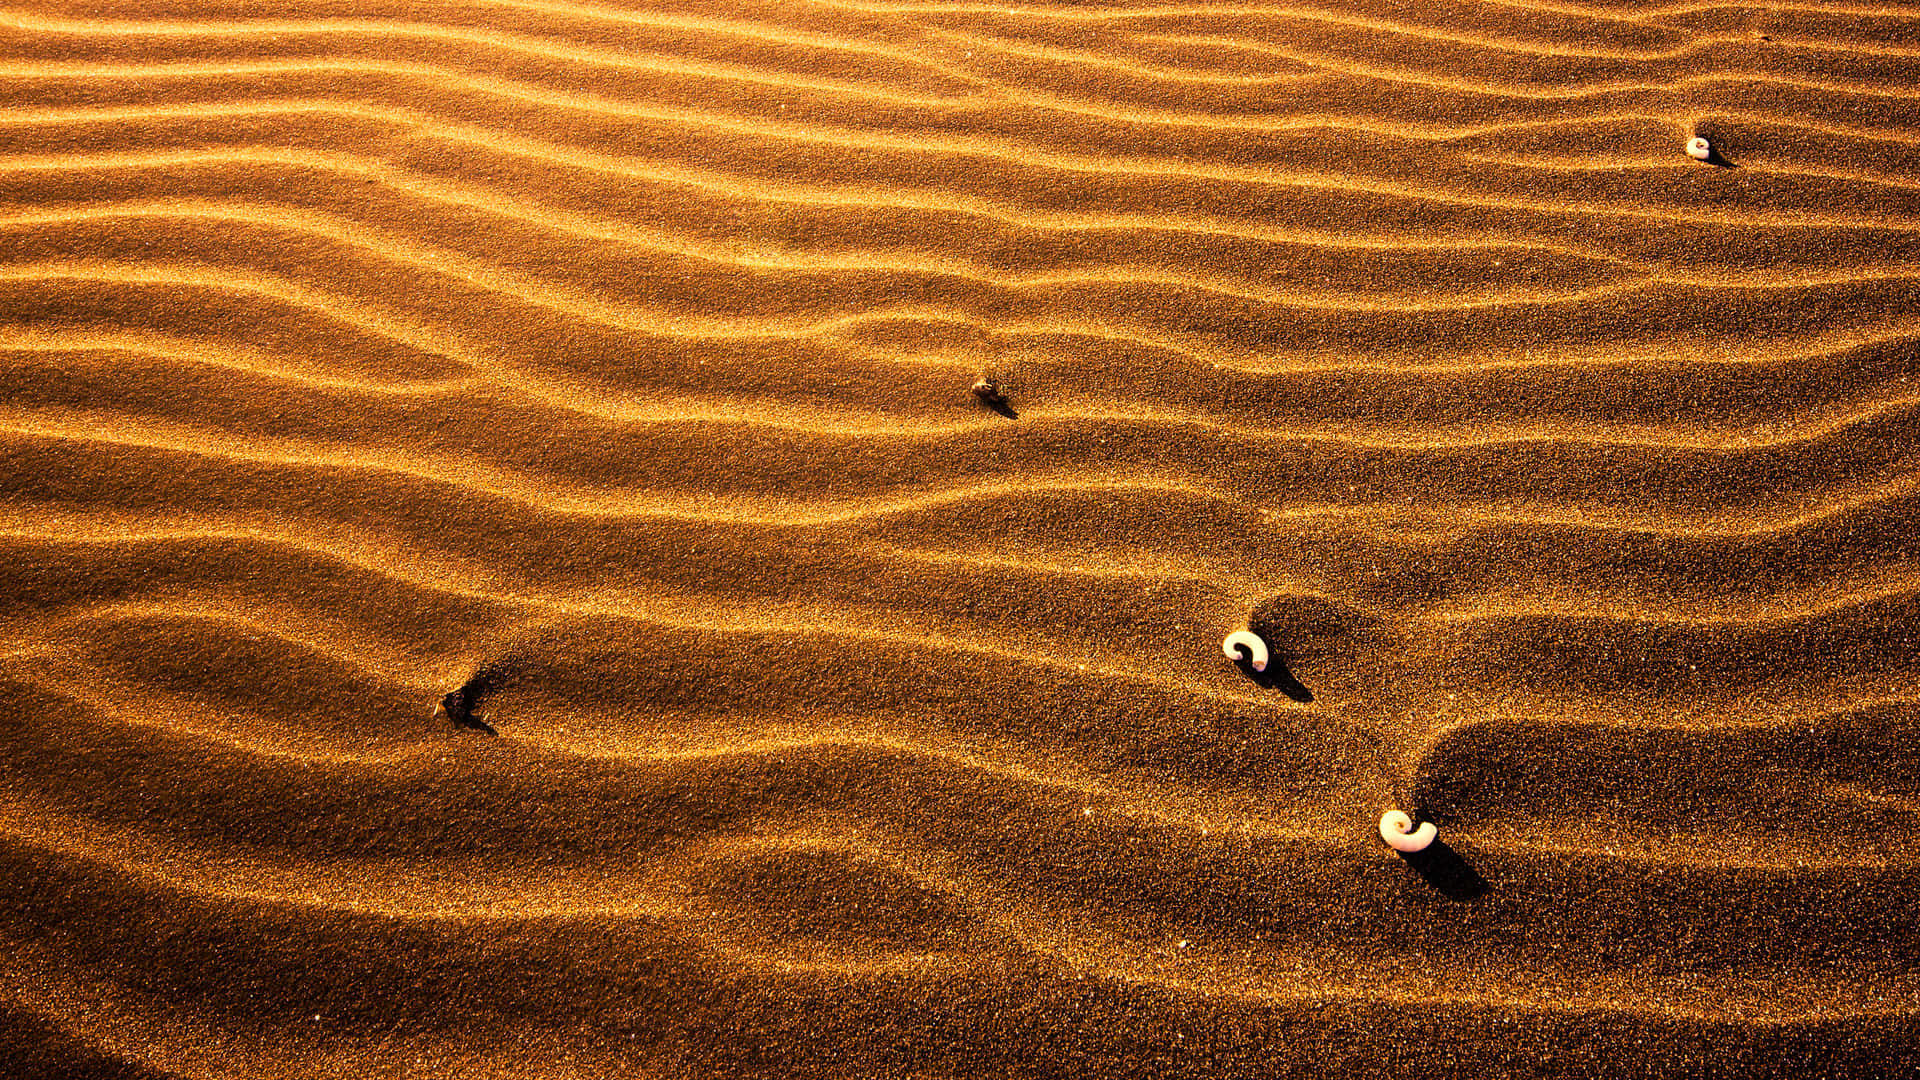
1397,830
1256,649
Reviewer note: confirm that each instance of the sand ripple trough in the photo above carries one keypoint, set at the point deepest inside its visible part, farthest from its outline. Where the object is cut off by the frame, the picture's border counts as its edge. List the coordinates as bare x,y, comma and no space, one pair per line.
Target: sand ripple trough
609,364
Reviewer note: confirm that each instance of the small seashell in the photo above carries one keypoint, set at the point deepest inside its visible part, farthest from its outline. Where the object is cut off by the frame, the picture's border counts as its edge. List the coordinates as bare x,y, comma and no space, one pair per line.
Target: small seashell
1699,149
1397,830
1250,641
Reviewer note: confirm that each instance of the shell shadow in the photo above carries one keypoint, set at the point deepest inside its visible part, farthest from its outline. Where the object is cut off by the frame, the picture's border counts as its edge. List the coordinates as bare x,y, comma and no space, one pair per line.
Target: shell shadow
1447,872
1276,677
1714,157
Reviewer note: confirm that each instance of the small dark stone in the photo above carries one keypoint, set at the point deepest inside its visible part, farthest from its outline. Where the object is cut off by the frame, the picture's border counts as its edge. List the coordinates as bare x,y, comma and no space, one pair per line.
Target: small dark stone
459,708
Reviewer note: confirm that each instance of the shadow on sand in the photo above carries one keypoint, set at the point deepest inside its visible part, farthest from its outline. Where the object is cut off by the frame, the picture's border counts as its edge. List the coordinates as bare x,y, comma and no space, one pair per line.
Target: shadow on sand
459,705
1446,871
1276,677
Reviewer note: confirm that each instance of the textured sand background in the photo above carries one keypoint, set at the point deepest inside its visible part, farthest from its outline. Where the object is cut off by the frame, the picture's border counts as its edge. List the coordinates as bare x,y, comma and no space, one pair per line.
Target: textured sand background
615,357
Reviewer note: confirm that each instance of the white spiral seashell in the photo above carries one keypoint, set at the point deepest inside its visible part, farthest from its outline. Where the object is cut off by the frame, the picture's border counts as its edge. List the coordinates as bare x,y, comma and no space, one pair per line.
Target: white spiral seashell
1699,149
1250,641
1397,830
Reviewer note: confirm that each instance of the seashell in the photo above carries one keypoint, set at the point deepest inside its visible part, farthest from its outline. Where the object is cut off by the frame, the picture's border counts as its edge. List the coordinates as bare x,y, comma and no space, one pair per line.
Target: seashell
1699,149
1397,830
1256,649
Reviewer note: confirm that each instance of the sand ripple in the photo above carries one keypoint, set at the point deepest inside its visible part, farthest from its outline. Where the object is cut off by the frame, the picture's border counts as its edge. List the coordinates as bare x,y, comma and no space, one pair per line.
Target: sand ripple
612,362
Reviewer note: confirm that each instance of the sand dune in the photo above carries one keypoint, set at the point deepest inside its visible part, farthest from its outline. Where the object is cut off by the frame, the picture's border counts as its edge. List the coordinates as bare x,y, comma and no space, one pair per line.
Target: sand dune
610,364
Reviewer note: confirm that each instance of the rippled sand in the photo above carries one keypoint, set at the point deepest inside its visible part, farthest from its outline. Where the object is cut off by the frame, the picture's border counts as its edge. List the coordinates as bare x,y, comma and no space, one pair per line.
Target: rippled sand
612,363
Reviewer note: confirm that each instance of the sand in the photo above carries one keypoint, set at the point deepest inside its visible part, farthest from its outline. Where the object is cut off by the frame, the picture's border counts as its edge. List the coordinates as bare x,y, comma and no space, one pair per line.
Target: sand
607,366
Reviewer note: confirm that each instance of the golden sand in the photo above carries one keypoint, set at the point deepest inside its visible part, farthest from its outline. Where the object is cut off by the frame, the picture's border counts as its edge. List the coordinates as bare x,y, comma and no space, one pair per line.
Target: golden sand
607,367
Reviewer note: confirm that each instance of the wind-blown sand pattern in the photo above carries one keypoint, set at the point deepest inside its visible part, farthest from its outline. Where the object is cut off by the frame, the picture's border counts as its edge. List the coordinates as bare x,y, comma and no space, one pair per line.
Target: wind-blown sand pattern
611,360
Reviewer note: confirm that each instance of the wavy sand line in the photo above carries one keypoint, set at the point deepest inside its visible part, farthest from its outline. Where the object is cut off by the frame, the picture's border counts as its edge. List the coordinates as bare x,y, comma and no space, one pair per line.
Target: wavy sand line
374,888
1686,852
806,39
1776,611
323,638
655,411
1308,122
376,891
181,1046
1437,736
1721,112
442,74
994,150
598,404
352,648
1812,603
458,77
360,30
1606,846
1663,164
1444,523
1541,46
667,411
437,261
497,202
367,889
1078,949
358,314
1425,524
741,616
418,335
1695,43
1336,65
1003,92
413,565
547,496
1664,355
1684,57
382,449
205,729
760,190
1634,20
1329,835
223,356
1130,67
1659,11
1603,717
1302,13
1732,441
243,620
1156,806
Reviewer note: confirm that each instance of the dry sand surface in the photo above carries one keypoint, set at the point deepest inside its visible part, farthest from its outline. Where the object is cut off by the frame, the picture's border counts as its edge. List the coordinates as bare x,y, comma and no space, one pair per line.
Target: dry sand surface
607,364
